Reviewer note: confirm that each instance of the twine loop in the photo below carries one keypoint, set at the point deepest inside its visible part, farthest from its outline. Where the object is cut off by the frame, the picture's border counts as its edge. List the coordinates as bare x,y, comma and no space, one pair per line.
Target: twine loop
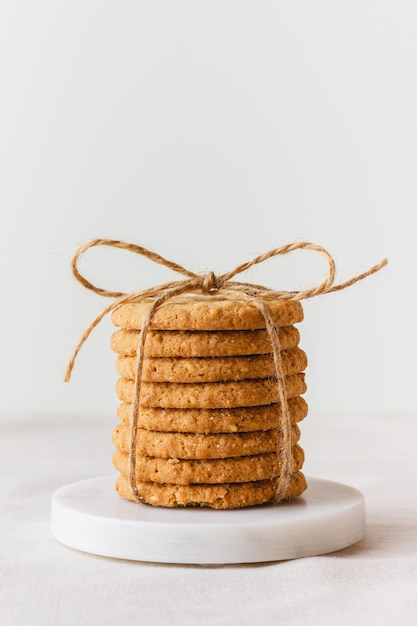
208,284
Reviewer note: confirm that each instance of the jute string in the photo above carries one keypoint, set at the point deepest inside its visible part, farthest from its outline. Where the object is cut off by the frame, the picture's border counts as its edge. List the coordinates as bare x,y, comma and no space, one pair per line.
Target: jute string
210,284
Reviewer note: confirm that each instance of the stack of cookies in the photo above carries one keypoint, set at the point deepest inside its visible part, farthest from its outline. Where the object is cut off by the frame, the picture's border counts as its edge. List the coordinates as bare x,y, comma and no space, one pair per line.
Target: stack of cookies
208,426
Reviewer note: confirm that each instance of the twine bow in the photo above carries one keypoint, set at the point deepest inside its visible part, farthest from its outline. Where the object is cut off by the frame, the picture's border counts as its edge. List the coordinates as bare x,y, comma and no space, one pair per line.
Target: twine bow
210,284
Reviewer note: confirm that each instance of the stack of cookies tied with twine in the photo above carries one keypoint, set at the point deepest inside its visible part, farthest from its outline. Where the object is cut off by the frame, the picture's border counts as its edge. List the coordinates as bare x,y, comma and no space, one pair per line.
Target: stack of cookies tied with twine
211,384
209,420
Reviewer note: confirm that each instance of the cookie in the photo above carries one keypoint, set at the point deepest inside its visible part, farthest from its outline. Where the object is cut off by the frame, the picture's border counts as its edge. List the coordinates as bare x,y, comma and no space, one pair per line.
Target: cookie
211,471
207,312
211,395
212,369
199,446
235,420
182,343
225,496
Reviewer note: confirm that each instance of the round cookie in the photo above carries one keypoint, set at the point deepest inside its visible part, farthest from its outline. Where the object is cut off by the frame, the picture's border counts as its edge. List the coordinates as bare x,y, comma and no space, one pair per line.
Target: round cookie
225,496
211,471
199,446
207,312
211,369
183,343
242,393
235,420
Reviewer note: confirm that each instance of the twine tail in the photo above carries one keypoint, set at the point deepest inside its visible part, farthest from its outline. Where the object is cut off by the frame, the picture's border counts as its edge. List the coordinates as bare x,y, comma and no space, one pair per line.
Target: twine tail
96,321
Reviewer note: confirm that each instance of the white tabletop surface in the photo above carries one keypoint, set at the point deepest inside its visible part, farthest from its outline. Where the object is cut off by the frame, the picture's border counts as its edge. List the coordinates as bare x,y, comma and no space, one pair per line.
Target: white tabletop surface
42,582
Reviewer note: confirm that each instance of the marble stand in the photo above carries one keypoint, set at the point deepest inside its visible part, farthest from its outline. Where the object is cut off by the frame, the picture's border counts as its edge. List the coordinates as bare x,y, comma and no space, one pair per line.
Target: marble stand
90,516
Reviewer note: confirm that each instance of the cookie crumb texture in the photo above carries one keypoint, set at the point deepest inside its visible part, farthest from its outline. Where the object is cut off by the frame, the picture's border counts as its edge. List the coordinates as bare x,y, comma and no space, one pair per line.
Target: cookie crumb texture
200,446
214,369
209,421
210,471
222,395
226,496
207,313
185,343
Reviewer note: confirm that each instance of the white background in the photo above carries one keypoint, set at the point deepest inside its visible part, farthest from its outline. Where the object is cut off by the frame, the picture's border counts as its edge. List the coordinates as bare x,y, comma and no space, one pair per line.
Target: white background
209,132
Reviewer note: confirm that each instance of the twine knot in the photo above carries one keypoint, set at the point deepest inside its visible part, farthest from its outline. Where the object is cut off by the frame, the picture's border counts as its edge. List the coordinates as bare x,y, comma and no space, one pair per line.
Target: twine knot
209,283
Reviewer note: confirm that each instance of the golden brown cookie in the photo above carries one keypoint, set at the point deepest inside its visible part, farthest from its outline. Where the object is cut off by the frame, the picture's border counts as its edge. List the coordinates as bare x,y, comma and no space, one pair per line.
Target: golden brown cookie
225,496
242,393
182,343
199,446
235,420
211,471
211,369
207,312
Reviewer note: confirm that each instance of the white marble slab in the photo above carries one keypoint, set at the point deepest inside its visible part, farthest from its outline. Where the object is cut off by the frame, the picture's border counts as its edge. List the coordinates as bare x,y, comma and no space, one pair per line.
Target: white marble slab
90,516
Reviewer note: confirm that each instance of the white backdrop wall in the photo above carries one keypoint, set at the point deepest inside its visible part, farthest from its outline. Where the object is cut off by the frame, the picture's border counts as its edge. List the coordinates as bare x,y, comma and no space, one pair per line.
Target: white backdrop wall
210,132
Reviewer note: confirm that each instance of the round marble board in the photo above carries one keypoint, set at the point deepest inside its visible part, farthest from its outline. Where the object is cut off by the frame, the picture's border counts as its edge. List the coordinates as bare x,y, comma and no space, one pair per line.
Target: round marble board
90,516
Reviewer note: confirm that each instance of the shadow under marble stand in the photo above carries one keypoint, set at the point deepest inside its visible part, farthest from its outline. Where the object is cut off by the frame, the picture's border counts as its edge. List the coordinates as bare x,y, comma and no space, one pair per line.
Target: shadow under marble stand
90,516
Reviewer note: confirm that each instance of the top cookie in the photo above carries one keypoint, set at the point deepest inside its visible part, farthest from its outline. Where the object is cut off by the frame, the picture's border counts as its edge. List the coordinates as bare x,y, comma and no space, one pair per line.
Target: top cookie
207,312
